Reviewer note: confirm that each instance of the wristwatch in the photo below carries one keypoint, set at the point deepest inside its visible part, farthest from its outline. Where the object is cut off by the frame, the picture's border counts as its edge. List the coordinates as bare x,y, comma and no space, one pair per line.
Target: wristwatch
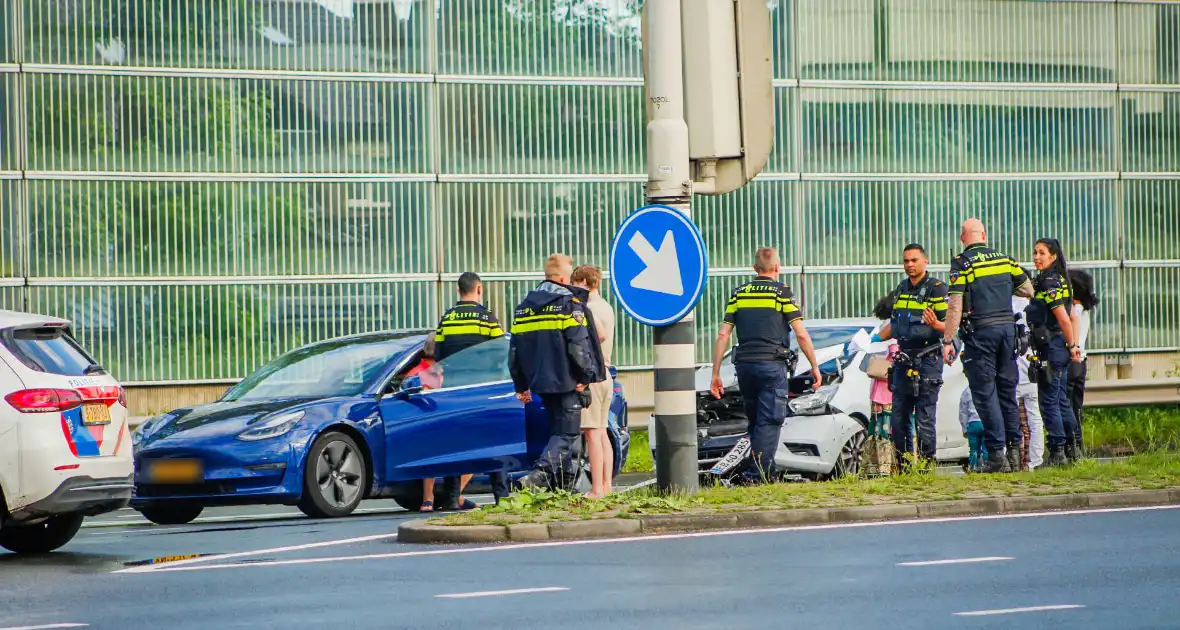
947,342
1071,346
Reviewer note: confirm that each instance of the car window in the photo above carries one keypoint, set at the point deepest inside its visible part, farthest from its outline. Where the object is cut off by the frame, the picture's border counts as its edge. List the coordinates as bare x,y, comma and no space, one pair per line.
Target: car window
483,363
333,368
50,349
827,337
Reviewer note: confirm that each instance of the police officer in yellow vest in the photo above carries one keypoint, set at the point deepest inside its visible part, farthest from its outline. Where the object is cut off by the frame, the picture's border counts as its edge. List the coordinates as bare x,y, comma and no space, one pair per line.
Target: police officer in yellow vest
983,281
917,323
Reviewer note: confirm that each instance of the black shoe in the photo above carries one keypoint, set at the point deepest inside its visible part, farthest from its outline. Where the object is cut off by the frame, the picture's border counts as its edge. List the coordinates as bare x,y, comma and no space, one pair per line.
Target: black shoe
535,479
996,463
1071,452
1056,457
1013,457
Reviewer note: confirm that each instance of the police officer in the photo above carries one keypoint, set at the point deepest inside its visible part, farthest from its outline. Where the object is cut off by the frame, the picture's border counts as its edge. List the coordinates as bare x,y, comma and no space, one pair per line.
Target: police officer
764,312
1055,345
982,283
466,324
917,322
553,355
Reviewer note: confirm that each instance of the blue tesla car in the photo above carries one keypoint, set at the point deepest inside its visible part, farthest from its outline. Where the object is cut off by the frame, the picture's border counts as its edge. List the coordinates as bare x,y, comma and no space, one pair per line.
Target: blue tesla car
330,424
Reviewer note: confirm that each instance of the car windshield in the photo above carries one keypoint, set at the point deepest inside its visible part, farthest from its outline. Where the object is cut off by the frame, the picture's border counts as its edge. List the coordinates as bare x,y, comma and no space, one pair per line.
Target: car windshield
334,368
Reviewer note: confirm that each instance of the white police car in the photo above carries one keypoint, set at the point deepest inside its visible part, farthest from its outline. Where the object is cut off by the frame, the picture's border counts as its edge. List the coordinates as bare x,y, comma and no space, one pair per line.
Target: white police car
65,447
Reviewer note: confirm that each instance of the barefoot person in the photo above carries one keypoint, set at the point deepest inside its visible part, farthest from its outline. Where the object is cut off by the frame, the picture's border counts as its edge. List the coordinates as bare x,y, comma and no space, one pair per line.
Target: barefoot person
596,417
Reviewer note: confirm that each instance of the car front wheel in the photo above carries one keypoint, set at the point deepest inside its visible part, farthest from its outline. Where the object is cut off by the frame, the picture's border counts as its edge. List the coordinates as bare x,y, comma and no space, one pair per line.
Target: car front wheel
42,537
848,462
179,514
334,478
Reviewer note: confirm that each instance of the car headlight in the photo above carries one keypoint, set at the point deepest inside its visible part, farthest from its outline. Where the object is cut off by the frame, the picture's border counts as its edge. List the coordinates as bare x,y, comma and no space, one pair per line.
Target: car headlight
274,427
816,404
146,429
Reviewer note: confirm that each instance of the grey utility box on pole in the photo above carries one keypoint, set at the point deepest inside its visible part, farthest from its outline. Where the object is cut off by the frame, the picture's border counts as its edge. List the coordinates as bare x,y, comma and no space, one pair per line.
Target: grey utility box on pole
710,126
728,91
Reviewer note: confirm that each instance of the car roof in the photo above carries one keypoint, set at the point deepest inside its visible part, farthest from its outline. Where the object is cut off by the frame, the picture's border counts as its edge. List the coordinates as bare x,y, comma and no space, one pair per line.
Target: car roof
14,319
372,335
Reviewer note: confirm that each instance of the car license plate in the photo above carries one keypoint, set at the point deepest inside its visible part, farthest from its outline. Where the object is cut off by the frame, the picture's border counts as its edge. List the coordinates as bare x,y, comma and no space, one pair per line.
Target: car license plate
735,456
176,471
95,415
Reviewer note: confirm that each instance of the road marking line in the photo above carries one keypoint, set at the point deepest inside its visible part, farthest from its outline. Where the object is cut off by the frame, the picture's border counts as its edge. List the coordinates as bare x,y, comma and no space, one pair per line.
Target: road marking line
1009,611
931,563
258,552
628,539
50,626
518,591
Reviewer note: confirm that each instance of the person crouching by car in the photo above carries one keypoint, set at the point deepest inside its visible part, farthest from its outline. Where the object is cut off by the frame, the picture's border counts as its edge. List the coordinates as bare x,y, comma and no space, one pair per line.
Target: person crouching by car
553,355
596,418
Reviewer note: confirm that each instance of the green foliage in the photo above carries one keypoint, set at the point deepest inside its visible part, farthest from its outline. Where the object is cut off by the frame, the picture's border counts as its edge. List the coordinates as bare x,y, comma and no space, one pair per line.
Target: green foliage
639,457
1121,430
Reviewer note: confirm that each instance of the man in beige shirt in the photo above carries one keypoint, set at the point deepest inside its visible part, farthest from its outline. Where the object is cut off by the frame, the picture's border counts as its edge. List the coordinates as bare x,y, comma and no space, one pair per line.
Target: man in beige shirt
596,417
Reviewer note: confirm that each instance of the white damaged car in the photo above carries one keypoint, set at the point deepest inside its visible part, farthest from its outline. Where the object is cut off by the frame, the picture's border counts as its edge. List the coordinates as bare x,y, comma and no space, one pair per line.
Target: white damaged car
824,436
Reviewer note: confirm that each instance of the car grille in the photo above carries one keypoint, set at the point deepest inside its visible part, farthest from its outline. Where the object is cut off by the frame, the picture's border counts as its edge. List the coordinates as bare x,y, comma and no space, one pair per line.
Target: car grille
183,490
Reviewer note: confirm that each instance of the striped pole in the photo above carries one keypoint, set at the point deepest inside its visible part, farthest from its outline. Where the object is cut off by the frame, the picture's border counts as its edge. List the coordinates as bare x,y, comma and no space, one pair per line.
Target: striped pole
675,427
670,183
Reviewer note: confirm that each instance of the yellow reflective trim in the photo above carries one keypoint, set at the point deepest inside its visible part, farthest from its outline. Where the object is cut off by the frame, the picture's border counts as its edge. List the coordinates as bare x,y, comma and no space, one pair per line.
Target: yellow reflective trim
771,304
986,272
941,307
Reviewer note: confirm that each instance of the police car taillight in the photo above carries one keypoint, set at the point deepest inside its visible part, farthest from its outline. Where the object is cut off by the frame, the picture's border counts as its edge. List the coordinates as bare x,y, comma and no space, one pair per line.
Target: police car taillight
43,400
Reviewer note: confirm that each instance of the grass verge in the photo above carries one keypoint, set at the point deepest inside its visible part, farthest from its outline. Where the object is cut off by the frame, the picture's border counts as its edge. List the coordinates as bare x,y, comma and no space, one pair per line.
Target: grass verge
1125,430
1147,471
639,457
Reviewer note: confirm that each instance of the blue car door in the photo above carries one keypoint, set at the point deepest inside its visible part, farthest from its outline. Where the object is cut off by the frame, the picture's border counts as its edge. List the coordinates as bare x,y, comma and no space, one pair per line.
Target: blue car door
465,420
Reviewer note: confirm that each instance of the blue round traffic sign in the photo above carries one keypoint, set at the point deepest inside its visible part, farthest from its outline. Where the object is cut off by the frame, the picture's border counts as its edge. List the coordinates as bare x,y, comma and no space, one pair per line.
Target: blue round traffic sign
658,265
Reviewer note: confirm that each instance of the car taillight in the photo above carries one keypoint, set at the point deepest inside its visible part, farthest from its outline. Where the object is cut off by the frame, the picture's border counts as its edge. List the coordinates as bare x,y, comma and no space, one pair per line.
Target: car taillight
44,400
107,394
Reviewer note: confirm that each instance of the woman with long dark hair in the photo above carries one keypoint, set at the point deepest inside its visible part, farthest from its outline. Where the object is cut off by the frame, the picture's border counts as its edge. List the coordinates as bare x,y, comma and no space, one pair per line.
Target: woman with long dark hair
1081,284
1054,343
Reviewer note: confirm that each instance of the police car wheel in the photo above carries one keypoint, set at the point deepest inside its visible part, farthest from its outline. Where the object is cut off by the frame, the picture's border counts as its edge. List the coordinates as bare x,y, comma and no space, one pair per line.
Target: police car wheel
335,477
42,537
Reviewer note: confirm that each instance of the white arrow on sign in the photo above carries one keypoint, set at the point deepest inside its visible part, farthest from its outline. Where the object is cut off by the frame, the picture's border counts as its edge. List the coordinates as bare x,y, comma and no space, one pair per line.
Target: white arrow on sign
662,271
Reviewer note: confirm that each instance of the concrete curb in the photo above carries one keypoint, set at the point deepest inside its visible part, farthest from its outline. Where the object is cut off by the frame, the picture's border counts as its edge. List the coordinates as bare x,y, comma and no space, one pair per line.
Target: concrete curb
419,531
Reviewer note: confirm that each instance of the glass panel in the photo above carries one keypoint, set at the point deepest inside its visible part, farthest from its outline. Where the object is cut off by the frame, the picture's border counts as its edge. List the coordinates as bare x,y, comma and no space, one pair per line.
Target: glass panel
1151,131
964,40
514,227
782,152
946,131
90,228
836,296
1149,43
868,223
541,129
1151,220
1153,321
90,123
189,332
1106,318
540,37
11,128
12,247
371,36
12,298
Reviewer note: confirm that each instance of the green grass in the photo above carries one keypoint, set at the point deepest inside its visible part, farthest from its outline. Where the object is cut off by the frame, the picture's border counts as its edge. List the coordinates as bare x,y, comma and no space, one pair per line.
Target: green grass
1144,471
639,458
1126,430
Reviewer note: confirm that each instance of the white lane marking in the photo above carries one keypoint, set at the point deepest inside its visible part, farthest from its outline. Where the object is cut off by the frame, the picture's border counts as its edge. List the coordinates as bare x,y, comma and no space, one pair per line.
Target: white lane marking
49,627
1009,611
931,563
518,591
258,552
629,539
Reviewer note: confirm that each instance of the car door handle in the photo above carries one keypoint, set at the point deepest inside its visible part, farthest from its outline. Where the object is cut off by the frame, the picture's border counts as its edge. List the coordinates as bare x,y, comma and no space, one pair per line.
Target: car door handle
503,396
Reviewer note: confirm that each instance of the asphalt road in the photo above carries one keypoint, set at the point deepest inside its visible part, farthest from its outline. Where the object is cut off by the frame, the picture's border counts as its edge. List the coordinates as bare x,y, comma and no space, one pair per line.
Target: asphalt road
1114,569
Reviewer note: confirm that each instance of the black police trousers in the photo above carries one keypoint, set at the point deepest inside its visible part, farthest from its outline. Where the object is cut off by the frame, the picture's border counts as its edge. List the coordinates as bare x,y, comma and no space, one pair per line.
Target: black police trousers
764,390
924,406
989,361
565,425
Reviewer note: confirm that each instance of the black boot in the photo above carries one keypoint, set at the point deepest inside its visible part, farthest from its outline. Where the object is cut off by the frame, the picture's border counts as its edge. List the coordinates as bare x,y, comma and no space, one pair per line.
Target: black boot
996,463
1013,457
1071,452
1056,457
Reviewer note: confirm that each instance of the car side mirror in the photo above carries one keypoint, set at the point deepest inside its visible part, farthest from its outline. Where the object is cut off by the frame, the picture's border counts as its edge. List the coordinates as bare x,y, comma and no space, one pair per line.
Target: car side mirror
406,392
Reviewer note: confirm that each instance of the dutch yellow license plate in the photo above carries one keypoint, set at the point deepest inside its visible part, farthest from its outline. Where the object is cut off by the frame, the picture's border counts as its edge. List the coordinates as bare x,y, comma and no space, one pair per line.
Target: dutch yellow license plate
95,414
176,471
